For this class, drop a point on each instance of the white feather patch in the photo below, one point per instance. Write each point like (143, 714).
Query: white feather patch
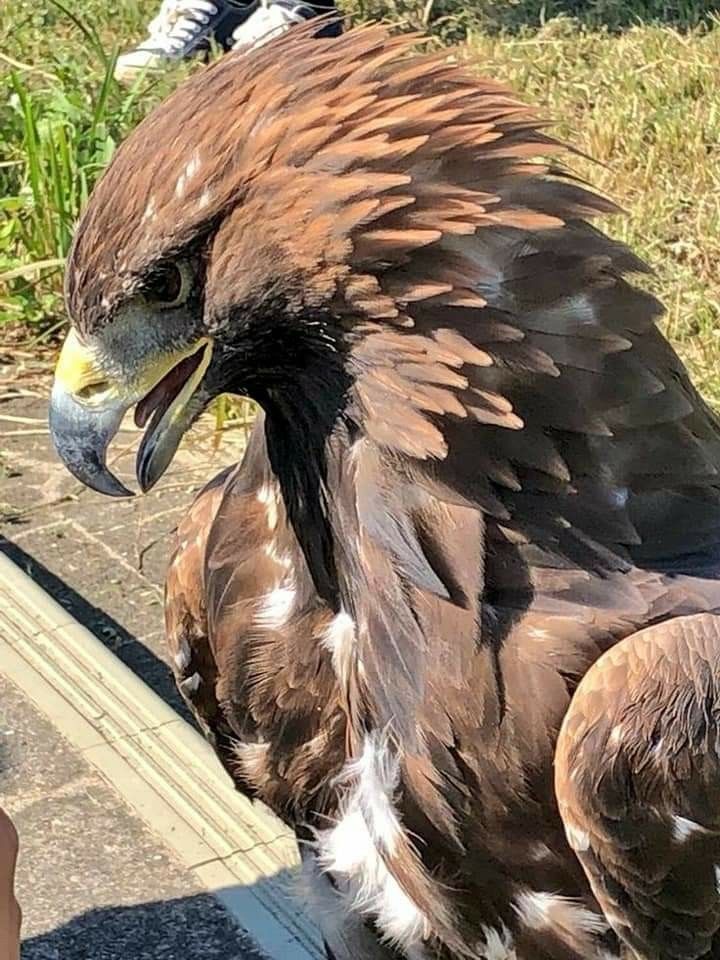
(191, 169)
(252, 757)
(616, 735)
(150, 208)
(498, 944)
(352, 850)
(570, 920)
(683, 829)
(339, 640)
(192, 684)
(182, 657)
(276, 606)
(578, 838)
(283, 560)
(268, 496)
(619, 496)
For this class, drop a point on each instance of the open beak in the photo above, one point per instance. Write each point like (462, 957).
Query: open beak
(87, 405)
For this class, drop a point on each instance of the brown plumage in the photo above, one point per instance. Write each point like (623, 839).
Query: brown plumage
(482, 477)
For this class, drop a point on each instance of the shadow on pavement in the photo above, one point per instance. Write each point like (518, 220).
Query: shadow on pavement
(187, 928)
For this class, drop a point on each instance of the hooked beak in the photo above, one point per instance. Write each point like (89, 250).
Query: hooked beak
(87, 405)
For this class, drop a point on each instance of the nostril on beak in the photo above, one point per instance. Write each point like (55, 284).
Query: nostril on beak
(93, 391)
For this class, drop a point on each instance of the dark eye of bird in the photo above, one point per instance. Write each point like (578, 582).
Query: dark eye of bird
(166, 286)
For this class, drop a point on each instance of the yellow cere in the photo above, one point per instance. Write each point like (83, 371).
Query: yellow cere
(77, 367)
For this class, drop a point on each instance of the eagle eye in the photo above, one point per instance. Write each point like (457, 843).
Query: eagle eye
(168, 286)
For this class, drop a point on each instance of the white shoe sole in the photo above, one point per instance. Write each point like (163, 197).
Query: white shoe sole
(126, 71)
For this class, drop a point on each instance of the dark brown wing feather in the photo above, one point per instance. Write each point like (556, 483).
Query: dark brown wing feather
(637, 775)
(582, 442)
(587, 478)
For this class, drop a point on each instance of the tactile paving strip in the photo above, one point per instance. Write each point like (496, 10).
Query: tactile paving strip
(157, 762)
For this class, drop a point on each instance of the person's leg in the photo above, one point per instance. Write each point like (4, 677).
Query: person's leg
(186, 28)
(182, 29)
(9, 909)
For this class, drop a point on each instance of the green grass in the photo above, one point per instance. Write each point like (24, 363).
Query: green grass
(634, 83)
(61, 117)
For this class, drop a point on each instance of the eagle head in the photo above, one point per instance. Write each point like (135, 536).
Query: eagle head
(282, 224)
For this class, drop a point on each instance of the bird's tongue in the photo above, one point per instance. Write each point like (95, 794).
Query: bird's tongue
(164, 392)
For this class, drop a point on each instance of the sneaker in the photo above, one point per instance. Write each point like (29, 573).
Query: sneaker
(273, 17)
(184, 28)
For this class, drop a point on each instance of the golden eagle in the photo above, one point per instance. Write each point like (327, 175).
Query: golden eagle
(453, 616)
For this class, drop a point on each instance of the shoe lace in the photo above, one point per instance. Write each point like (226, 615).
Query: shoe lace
(179, 21)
